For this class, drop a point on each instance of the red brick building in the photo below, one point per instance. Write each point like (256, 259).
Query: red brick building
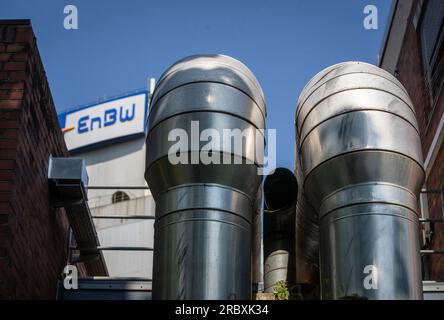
(414, 52)
(33, 236)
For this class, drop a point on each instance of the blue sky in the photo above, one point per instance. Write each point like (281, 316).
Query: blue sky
(119, 44)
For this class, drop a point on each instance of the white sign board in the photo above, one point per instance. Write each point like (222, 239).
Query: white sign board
(106, 122)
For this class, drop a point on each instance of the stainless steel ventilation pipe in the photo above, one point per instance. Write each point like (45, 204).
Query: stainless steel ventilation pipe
(306, 234)
(361, 158)
(202, 241)
(307, 225)
(257, 277)
(280, 193)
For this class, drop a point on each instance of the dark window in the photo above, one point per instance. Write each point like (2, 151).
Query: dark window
(432, 34)
(119, 196)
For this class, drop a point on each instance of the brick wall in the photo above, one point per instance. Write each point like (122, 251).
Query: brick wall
(411, 75)
(435, 181)
(33, 236)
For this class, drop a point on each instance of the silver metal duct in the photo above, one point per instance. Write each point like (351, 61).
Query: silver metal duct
(202, 241)
(361, 158)
(307, 225)
(280, 193)
(306, 234)
(68, 184)
(256, 244)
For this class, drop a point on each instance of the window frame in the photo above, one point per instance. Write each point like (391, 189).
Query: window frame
(436, 63)
(119, 196)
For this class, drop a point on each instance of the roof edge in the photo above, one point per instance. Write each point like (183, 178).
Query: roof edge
(26, 22)
(387, 31)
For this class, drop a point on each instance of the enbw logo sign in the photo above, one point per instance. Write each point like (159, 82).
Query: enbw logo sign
(110, 117)
(112, 120)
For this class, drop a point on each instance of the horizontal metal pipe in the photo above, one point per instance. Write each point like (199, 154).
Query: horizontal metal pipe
(115, 278)
(432, 251)
(118, 187)
(119, 248)
(431, 220)
(129, 248)
(432, 191)
(122, 216)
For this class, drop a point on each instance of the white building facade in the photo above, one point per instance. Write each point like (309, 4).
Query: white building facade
(110, 136)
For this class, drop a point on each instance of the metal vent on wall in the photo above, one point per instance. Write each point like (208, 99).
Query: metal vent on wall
(68, 183)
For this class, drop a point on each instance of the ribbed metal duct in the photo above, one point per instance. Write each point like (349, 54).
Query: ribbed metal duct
(306, 234)
(256, 244)
(307, 225)
(280, 193)
(362, 162)
(202, 242)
